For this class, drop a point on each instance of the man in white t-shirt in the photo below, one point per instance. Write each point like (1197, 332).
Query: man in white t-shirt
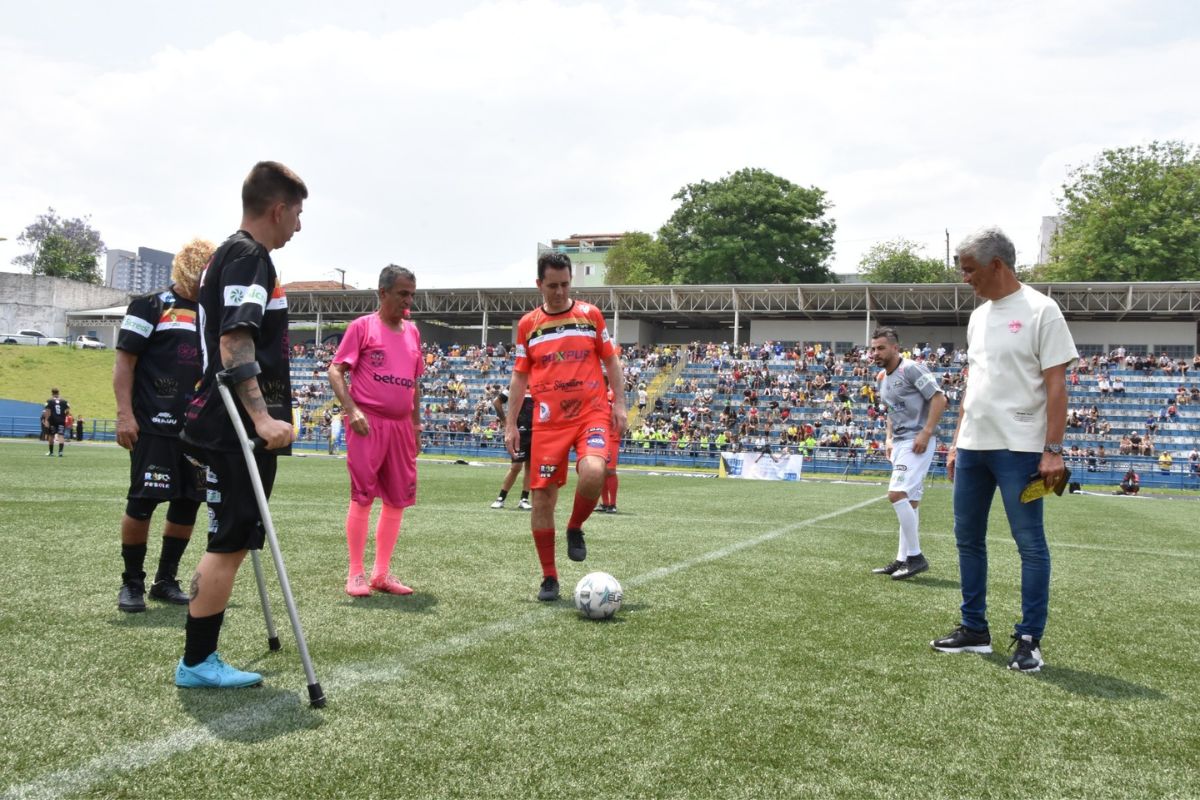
(1010, 431)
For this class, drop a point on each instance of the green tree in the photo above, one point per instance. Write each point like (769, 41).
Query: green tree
(1132, 214)
(62, 248)
(638, 258)
(750, 227)
(902, 261)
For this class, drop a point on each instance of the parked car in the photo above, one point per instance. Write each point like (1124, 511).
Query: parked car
(30, 336)
(87, 343)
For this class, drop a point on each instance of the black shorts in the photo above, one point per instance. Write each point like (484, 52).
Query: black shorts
(58, 429)
(234, 521)
(160, 470)
(523, 446)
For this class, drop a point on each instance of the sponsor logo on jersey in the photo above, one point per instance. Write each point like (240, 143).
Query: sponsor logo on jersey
(562, 356)
(547, 470)
(1014, 326)
(543, 412)
(573, 385)
(597, 430)
(899, 468)
(177, 319)
(519, 351)
(392, 379)
(604, 337)
(571, 408)
(137, 325)
(164, 418)
(236, 295)
(596, 440)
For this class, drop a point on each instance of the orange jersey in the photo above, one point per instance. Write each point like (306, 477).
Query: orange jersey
(562, 354)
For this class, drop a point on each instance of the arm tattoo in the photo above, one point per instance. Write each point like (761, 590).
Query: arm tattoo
(238, 349)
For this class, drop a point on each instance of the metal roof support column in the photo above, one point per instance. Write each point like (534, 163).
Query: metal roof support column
(484, 331)
(737, 318)
(867, 302)
(317, 341)
(616, 331)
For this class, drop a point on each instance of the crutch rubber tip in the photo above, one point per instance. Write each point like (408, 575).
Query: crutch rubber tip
(316, 697)
(274, 644)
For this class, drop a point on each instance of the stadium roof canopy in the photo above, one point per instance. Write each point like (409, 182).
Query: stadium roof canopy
(716, 306)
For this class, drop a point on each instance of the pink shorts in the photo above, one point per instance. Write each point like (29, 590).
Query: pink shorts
(383, 463)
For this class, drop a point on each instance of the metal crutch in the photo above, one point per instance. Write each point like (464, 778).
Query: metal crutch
(225, 380)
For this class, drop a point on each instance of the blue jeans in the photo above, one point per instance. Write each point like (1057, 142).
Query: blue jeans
(977, 474)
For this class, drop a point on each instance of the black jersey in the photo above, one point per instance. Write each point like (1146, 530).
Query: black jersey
(525, 415)
(240, 289)
(160, 329)
(58, 408)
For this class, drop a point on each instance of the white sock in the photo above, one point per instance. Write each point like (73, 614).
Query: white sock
(910, 543)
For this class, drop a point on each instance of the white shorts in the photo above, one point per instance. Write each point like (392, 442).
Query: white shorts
(909, 468)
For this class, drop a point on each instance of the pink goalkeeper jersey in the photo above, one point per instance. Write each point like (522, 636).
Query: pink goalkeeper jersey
(384, 365)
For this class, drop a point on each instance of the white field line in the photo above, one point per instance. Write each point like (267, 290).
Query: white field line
(135, 755)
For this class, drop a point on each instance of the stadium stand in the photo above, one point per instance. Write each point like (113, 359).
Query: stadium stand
(1124, 409)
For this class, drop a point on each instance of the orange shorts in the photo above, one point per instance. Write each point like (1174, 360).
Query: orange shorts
(614, 452)
(551, 450)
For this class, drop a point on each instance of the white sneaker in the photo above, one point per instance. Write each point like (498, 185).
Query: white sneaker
(525, 505)
(498, 504)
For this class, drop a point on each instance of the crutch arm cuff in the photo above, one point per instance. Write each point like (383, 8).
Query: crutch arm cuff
(239, 374)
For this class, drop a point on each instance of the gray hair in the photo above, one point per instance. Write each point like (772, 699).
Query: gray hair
(392, 273)
(986, 244)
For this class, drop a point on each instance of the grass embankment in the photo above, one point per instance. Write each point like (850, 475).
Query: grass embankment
(84, 377)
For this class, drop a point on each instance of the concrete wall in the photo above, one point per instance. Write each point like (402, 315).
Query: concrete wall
(36, 301)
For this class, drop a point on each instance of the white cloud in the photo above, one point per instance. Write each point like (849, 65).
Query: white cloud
(452, 142)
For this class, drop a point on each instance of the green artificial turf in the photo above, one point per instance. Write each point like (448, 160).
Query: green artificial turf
(756, 656)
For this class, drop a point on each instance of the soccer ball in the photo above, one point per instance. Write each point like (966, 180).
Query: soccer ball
(598, 595)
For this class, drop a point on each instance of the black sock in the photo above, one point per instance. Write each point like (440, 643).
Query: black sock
(503, 494)
(168, 559)
(51, 447)
(134, 556)
(525, 495)
(60, 447)
(201, 634)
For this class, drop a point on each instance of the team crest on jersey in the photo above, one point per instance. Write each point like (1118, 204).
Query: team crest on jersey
(376, 358)
(177, 319)
(543, 412)
(1014, 326)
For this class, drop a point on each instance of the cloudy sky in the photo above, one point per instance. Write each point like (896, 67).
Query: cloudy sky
(452, 137)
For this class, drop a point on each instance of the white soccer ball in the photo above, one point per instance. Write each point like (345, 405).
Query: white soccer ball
(598, 595)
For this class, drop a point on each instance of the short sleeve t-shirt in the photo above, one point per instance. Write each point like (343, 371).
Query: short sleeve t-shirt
(907, 392)
(58, 408)
(240, 289)
(1010, 342)
(562, 354)
(525, 415)
(160, 329)
(384, 365)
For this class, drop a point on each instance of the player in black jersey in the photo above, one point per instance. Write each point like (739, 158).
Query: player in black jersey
(244, 324)
(56, 410)
(155, 374)
(520, 459)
